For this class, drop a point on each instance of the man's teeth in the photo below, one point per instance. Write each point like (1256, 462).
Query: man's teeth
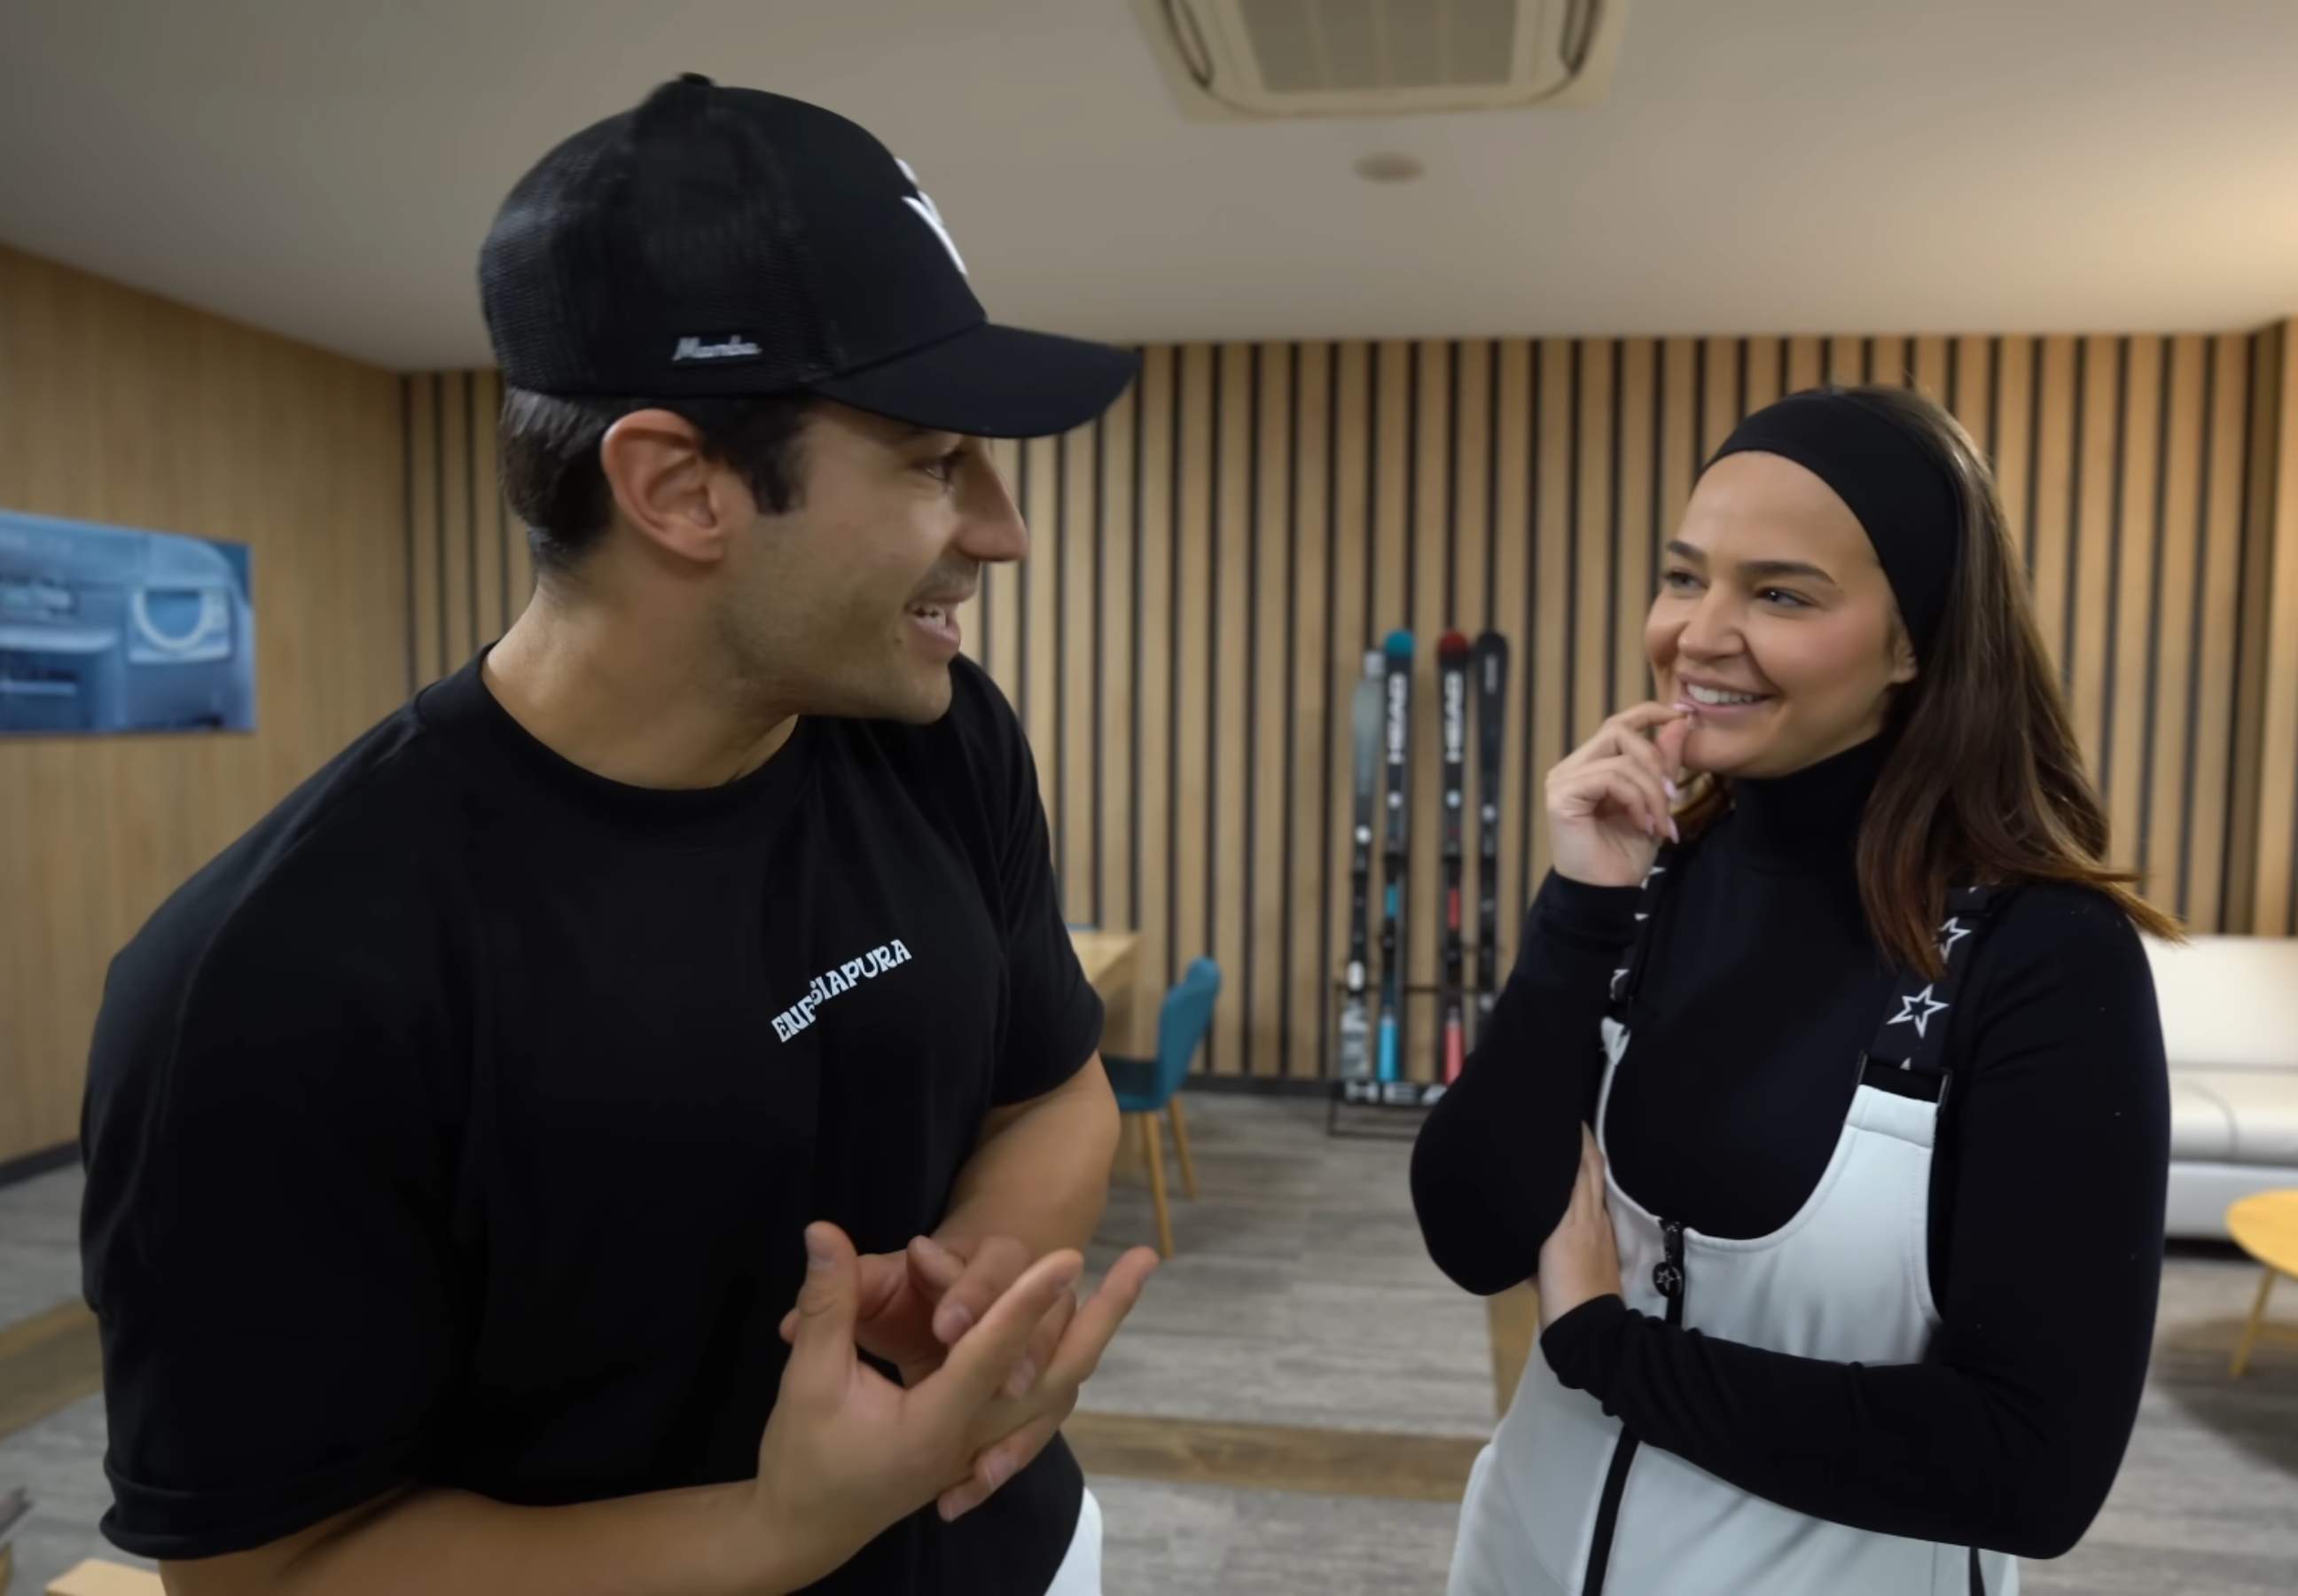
(931, 612)
(1709, 695)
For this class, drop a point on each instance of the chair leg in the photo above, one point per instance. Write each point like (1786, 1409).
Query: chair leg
(2250, 1331)
(1181, 1146)
(1155, 1153)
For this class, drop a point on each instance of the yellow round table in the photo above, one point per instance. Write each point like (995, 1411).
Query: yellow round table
(2266, 1226)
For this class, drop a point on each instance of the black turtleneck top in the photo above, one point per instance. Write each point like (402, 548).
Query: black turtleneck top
(1763, 985)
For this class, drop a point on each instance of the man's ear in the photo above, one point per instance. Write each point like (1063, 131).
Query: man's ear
(673, 495)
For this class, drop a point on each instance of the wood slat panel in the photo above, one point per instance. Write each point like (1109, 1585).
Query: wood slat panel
(2130, 617)
(1155, 777)
(2165, 758)
(1806, 363)
(1222, 847)
(1192, 718)
(1121, 670)
(2016, 431)
(1846, 359)
(1426, 543)
(1719, 393)
(1310, 654)
(1351, 627)
(1511, 581)
(2275, 913)
(2051, 535)
(1762, 360)
(2090, 552)
(2208, 800)
(1928, 366)
(1592, 543)
(457, 555)
(423, 574)
(1075, 661)
(1973, 396)
(1266, 666)
(1891, 361)
(1475, 479)
(1549, 625)
(1639, 464)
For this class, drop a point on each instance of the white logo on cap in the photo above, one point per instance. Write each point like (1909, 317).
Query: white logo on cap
(731, 349)
(924, 206)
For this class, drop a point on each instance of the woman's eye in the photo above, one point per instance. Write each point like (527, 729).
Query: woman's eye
(1679, 580)
(1779, 595)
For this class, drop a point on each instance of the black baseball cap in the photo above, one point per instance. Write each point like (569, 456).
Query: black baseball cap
(729, 242)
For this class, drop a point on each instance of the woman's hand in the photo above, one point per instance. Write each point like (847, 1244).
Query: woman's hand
(1580, 1261)
(1608, 799)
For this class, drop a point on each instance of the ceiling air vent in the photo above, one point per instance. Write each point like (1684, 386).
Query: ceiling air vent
(1243, 58)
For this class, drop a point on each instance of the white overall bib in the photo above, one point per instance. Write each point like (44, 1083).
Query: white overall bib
(1564, 1503)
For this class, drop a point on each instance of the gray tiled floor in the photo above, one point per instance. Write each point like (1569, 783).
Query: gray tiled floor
(39, 1244)
(1300, 1295)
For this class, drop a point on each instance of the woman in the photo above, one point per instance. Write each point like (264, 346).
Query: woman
(1852, 1288)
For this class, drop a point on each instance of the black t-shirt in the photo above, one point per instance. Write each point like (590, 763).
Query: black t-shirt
(460, 1123)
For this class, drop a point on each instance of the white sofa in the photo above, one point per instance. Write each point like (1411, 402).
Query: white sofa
(2230, 1030)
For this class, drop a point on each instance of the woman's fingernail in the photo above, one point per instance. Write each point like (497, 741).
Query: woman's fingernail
(1025, 1376)
(951, 1322)
(1670, 786)
(997, 1471)
(1673, 835)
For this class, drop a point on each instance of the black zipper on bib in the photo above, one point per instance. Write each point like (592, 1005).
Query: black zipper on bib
(1667, 1279)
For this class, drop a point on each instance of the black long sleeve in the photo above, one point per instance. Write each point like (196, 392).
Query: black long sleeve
(2010, 1433)
(1494, 1163)
(1762, 985)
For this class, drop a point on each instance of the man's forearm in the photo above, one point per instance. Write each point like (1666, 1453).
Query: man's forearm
(1040, 1172)
(706, 1542)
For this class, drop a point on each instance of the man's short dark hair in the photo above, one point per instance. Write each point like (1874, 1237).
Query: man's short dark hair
(554, 483)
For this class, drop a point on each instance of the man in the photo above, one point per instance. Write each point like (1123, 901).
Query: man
(453, 1139)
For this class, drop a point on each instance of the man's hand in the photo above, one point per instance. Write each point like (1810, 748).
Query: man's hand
(914, 1306)
(848, 1453)
(1580, 1261)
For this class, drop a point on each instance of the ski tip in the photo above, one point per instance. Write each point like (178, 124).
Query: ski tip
(1452, 645)
(1399, 645)
(1376, 662)
(1491, 642)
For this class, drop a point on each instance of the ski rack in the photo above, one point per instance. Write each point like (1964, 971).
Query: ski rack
(1391, 1110)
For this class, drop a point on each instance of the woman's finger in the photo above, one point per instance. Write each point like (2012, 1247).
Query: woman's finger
(1623, 780)
(1630, 725)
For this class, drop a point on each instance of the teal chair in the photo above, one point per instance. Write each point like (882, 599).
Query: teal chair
(1148, 1086)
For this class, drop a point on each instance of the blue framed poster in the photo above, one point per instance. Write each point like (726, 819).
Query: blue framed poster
(113, 629)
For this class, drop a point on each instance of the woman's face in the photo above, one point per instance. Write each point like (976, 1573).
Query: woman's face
(1772, 601)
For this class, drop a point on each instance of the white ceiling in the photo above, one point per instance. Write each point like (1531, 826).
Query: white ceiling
(326, 168)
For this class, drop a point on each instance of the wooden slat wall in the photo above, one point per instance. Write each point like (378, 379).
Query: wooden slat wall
(466, 562)
(1214, 556)
(118, 406)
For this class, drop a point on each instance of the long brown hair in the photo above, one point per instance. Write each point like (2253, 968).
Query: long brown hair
(1985, 782)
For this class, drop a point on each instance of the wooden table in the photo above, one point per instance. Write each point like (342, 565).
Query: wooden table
(1109, 958)
(2266, 1226)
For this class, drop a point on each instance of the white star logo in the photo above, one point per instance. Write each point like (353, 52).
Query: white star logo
(1617, 977)
(1641, 915)
(1655, 870)
(1955, 931)
(1907, 1016)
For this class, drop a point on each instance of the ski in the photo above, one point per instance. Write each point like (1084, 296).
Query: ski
(1452, 701)
(1356, 1030)
(1397, 855)
(1492, 669)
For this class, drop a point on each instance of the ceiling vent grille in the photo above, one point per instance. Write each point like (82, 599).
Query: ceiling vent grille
(1239, 59)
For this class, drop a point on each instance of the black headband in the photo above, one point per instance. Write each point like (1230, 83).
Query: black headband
(1899, 489)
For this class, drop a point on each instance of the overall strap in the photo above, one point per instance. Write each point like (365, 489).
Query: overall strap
(1906, 1056)
(1629, 977)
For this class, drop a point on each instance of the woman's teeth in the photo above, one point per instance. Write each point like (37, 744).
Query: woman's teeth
(1709, 695)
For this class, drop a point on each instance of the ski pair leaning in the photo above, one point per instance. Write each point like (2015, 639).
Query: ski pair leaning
(1380, 721)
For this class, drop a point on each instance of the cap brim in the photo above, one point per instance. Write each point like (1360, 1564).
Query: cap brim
(991, 382)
